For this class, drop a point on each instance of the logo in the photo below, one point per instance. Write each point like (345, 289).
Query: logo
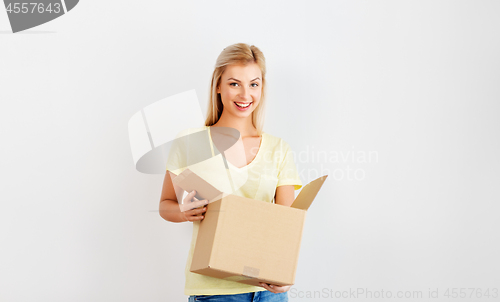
(28, 14)
(170, 134)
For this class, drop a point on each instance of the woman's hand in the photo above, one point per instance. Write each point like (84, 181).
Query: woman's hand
(275, 288)
(193, 209)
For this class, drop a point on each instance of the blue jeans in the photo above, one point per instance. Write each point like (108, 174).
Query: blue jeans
(261, 296)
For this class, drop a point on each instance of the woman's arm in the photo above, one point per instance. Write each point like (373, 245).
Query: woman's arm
(169, 207)
(285, 195)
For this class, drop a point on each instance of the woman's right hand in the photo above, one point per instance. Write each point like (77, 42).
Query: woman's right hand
(193, 209)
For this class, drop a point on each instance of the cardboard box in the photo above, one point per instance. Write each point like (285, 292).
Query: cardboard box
(246, 240)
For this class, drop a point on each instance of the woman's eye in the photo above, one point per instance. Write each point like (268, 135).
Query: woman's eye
(236, 84)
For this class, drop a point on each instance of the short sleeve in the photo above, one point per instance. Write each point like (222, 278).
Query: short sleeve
(190, 147)
(177, 155)
(288, 174)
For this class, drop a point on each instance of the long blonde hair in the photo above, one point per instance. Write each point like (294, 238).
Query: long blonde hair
(239, 53)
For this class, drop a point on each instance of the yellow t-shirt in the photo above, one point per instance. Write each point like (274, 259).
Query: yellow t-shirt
(273, 166)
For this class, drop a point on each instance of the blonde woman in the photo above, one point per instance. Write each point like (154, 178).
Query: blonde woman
(237, 98)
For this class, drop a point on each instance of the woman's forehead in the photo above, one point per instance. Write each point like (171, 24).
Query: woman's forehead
(243, 72)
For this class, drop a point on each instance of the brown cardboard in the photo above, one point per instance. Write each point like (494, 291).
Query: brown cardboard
(308, 193)
(245, 240)
(189, 181)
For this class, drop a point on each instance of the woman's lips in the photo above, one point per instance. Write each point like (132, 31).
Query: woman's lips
(242, 106)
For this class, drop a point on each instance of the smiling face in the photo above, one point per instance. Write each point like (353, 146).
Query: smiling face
(240, 89)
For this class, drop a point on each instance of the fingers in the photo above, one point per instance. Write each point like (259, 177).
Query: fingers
(274, 288)
(196, 213)
(269, 287)
(191, 202)
(189, 197)
(185, 207)
(195, 217)
(192, 208)
(198, 203)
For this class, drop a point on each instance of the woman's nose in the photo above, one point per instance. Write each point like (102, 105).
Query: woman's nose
(244, 93)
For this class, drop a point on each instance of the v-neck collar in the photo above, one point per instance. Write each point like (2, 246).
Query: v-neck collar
(228, 162)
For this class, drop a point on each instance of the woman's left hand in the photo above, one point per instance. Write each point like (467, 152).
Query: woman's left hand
(275, 288)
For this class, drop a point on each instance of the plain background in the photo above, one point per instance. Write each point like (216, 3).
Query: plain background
(413, 83)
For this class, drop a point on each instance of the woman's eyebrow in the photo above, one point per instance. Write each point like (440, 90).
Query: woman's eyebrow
(257, 78)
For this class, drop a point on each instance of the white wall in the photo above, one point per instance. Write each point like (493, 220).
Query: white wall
(413, 84)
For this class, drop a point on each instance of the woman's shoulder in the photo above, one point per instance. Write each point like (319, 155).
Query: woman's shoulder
(188, 131)
(274, 141)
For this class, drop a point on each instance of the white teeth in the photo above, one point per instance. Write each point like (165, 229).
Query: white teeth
(242, 105)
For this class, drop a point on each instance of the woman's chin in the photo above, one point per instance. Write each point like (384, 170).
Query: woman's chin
(242, 114)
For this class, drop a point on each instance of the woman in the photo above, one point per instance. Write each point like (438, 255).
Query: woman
(236, 101)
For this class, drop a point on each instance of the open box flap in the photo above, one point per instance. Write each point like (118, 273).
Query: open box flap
(189, 181)
(308, 193)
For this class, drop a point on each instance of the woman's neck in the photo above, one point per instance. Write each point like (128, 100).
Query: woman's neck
(243, 125)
